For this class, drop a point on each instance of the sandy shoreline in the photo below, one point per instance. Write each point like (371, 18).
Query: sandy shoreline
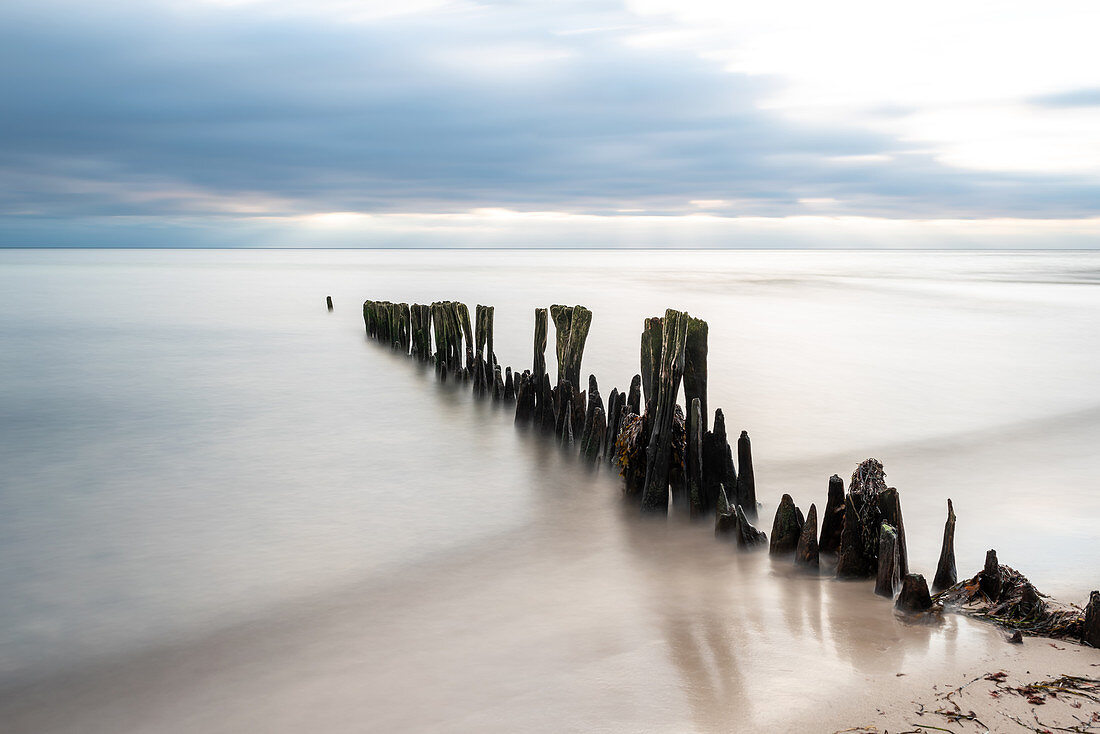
(537, 631)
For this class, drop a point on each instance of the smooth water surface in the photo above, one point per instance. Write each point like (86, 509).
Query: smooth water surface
(223, 508)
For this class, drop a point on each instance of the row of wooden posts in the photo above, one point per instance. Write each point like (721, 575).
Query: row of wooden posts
(660, 452)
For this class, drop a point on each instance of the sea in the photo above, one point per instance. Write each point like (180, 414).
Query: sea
(224, 508)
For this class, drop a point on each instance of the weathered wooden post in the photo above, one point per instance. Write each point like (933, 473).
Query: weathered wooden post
(538, 369)
(833, 519)
(889, 504)
(746, 479)
(889, 574)
(718, 468)
(946, 575)
(651, 357)
(695, 367)
(1090, 630)
(697, 499)
(328, 300)
(509, 385)
(562, 316)
(614, 415)
(990, 580)
(594, 401)
(786, 527)
(659, 452)
(634, 397)
(806, 553)
(914, 595)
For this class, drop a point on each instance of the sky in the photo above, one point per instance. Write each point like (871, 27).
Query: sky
(643, 123)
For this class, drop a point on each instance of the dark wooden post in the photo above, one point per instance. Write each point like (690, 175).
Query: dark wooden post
(746, 479)
(538, 369)
(651, 357)
(659, 451)
(946, 575)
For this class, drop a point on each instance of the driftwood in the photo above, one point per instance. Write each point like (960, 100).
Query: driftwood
(1018, 605)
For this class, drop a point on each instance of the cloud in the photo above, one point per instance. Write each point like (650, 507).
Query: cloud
(1074, 98)
(227, 113)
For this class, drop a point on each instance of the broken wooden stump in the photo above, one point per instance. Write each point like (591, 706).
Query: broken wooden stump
(725, 517)
(630, 452)
(1091, 630)
(593, 400)
(914, 597)
(746, 480)
(615, 404)
(659, 452)
(858, 555)
(833, 520)
(786, 527)
(888, 578)
(989, 579)
(634, 397)
(946, 574)
(806, 552)
(328, 301)
(889, 504)
(509, 385)
(717, 467)
(592, 448)
(748, 537)
(525, 399)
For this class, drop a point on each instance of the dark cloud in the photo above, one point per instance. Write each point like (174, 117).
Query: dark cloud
(166, 110)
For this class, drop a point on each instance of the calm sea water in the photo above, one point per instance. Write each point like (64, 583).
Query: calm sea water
(213, 487)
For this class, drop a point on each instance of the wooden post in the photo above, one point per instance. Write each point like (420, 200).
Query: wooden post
(888, 578)
(806, 552)
(328, 300)
(946, 575)
(659, 452)
(651, 357)
(695, 367)
(833, 520)
(538, 369)
(634, 397)
(746, 480)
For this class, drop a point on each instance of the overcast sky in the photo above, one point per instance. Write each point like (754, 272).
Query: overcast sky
(641, 123)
